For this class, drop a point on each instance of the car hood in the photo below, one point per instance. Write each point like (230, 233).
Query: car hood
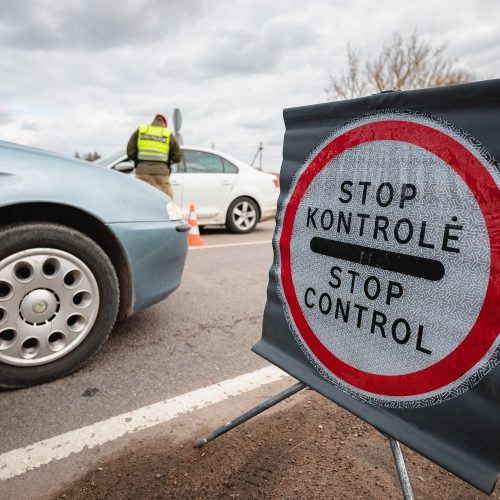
(33, 175)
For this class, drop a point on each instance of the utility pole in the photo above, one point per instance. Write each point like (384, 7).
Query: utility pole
(258, 154)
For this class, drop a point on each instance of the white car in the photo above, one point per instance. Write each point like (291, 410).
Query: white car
(223, 189)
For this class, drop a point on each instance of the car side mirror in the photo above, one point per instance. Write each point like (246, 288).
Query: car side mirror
(124, 166)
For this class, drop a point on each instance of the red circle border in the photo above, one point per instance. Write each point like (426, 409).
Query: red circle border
(482, 335)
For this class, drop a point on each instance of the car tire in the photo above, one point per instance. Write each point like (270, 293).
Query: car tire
(242, 215)
(59, 298)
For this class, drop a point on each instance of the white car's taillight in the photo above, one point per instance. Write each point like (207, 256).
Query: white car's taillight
(173, 211)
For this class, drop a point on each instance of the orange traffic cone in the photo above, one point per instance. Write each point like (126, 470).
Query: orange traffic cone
(194, 238)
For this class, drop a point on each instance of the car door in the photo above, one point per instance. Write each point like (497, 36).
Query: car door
(206, 184)
(176, 181)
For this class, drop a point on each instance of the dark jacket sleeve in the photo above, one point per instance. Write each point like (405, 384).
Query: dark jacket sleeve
(175, 154)
(132, 146)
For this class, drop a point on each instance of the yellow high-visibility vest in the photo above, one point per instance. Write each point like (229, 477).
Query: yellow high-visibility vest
(153, 143)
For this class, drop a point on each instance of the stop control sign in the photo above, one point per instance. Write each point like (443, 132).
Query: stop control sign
(388, 260)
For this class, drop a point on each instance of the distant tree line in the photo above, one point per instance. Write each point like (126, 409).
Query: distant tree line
(88, 156)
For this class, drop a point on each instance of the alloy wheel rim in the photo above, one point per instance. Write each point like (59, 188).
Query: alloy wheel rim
(49, 301)
(244, 215)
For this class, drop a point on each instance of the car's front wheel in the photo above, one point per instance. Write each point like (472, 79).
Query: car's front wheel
(58, 302)
(242, 215)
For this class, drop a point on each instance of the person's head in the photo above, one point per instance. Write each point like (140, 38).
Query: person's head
(160, 120)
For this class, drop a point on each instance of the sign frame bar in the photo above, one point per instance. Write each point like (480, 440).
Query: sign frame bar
(397, 454)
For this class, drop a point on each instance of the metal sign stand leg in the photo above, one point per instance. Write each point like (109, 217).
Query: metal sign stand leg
(251, 413)
(395, 447)
(399, 460)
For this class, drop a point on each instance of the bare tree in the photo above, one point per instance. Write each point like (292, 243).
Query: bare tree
(402, 64)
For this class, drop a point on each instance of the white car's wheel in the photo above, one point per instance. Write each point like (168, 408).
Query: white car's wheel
(242, 215)
(58, 302)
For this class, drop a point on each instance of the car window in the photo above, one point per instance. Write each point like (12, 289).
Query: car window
(174, 168)
(200, 162)
(229, 168)
(111, 159)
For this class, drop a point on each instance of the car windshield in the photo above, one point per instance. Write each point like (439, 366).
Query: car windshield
(109, 159)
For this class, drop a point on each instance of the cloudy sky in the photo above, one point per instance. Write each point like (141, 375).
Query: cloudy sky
(80, 75)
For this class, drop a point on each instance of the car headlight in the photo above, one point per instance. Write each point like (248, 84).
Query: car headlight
(173, 211)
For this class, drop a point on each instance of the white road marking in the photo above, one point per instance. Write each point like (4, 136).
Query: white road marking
(15, 462)
(225, 245)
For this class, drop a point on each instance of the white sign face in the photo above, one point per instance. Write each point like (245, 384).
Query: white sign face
(386, 248)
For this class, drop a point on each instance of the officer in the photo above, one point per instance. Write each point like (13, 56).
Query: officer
(153, 149)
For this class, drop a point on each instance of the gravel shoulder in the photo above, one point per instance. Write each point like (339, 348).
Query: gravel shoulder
(305, 447)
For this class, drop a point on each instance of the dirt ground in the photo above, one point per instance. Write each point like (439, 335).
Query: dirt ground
(307, 448)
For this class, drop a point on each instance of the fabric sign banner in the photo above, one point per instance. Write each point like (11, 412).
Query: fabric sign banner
(385, 287)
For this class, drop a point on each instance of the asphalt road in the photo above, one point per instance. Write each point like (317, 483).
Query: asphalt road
(200, 335)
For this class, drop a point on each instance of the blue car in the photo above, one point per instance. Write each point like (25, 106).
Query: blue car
(81, 246)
